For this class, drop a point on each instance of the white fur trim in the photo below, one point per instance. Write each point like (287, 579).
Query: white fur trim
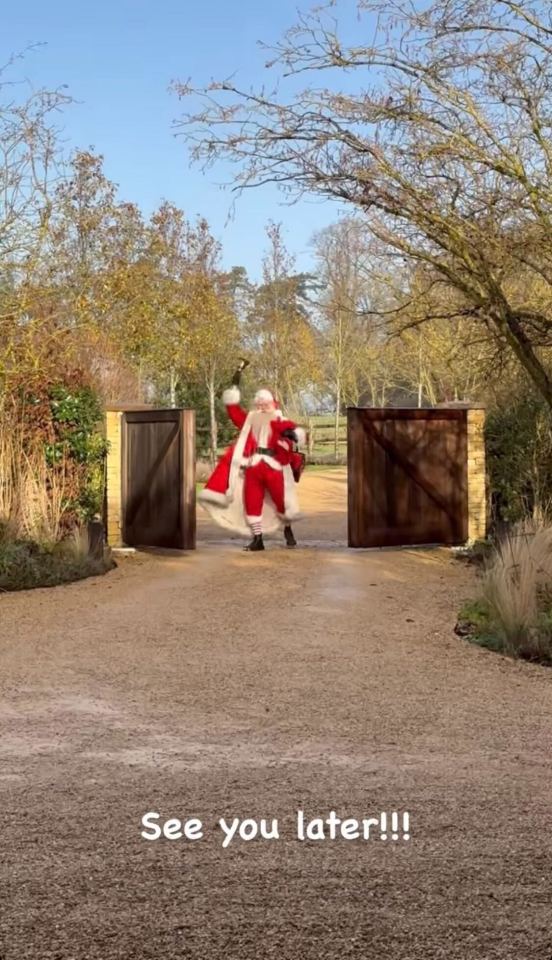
(253, 519)
(257, 457)
(237, 457)
(264, 395)
(301, 436)
(262, 439)
(231, 396)
(290, 496)
(212, 496)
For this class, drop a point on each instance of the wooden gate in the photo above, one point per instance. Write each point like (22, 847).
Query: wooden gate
(158, 478)
(407, 474)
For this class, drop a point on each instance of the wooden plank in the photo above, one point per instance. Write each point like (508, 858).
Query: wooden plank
(187, 481)
(127, 407)
(355, 526)
(163, 415)
(367, 493)
(411, 413)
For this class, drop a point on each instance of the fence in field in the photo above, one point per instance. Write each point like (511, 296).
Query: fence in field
(321, 447)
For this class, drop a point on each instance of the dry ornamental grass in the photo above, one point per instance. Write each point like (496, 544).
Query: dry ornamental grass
(514, 612)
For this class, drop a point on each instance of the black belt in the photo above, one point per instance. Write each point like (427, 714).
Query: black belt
(266, 451)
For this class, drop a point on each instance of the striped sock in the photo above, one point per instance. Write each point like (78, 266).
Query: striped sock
(256, 528)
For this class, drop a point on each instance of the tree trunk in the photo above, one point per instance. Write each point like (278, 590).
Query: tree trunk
(172, 388)
(213, 425)
(420, 373)
(336, 423)
(523, 349)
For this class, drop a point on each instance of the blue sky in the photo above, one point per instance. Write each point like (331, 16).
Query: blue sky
(118, 58)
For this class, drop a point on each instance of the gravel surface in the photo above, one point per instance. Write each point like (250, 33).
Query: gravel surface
(222, 684)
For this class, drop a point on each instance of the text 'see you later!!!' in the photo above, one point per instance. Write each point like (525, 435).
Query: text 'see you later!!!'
(393, 826)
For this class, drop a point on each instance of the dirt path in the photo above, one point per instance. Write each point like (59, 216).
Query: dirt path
(223, 684)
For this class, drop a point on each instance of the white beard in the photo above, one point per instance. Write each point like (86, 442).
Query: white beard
(260, 426)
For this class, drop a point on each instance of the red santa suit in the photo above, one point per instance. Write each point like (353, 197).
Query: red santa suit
(260, 462)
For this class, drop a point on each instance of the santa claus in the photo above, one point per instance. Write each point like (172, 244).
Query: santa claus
(253, 487)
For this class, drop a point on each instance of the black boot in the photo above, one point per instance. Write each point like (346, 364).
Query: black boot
(288, 534)
(256, 543)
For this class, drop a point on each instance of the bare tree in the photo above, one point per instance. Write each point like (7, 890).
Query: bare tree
(29, 171)
(444, 145)
(29, 153)
(341, 252)
(280, 332)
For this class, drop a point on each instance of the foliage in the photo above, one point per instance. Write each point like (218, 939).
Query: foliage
(52, 454)
(77, 417)
(475, 623)
(25, 564)
(64, 421)
(477, 553)
(519, 459)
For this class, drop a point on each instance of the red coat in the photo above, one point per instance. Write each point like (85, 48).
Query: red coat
(282, 446)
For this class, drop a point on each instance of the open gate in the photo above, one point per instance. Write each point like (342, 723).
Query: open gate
(158, 478)
(407, 476)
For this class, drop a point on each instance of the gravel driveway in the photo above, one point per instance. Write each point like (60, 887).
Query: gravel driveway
(222, 684)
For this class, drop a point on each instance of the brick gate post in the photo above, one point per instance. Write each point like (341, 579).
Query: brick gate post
(477, 496)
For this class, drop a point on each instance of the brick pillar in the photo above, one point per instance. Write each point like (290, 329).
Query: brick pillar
(114, 531)
(477, 497)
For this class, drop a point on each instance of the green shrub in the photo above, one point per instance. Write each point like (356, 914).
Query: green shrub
(25, 564)
(475, 622)
(477, 553)
(518, 439)
(77, 416)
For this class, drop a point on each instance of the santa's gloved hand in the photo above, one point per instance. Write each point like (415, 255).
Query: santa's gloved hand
(289, 434)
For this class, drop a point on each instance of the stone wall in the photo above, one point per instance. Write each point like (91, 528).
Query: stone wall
(114, 519)
(477, 496)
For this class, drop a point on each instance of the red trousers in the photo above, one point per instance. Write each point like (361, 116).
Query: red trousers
(260, 480)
